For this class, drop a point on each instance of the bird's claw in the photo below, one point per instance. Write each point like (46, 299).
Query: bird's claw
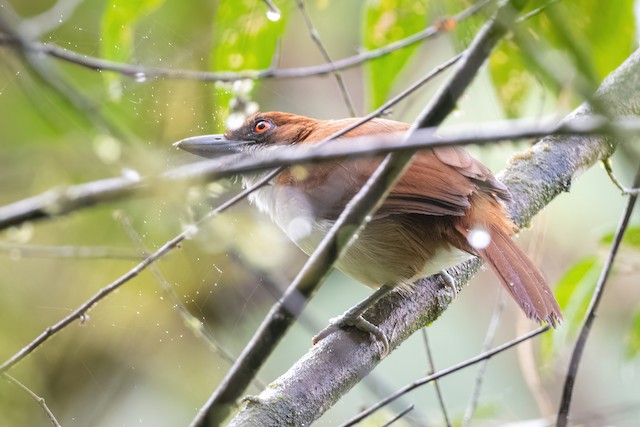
(358, 322)
(450, 283)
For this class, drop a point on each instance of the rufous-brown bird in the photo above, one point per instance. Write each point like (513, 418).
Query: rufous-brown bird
(446, 208)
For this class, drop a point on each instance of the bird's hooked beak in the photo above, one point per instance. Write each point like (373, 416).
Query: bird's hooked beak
(211, 146)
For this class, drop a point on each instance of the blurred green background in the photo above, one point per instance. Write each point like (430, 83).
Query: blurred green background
(134, 360)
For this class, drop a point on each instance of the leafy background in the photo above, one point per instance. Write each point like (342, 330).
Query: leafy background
(135, 360)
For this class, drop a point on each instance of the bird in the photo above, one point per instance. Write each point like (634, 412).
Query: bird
(446, 208)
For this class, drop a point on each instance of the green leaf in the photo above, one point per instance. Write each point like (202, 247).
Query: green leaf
(244, 38)
(465, 30)
(573, 292)
(598, 36)
(604, 31)
(510, 77)
(631, 237)
(386, 21)
(118, 30)
(633, 337)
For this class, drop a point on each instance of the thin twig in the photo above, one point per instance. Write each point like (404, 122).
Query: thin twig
(607, 167)
(409, 387)
(315, 36)
(576, 356)
(536, 11)
(436, 383)
(482, 368)
(92, 252)
(131, 70)
(272, 7)
(190, 321)
(38, 399)
(61, 201)
(399, 416)
(80, 312)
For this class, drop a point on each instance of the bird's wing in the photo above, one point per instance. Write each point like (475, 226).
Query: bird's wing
(439, 182)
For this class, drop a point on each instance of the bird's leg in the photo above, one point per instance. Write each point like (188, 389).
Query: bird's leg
(450, 283)
(353, 317)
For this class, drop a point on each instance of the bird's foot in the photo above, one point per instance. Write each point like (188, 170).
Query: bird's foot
(359, 322)
(450, 283)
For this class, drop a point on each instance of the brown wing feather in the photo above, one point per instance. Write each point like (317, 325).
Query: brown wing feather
(438, 182)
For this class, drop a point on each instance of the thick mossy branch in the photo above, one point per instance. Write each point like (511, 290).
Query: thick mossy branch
(535, 177)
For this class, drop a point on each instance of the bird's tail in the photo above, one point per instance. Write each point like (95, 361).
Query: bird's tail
(520, 277)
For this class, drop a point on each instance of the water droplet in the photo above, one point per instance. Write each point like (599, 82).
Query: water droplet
(131, 174)
(273, 15)
(21, 233)
(299, 228)
(107, 148)
(140, 77)
(251, 108)
(242, 87)
(479, 238)
(190, 231)
(234, 121)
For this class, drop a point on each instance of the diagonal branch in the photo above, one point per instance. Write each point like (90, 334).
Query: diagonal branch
(315, 36)
(482, 357)
(62, 201)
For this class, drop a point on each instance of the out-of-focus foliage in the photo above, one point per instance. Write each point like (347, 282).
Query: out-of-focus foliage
(596, 36)
(118, 31)
(631, 237)
(245, 37)
(465, 30)
(573, 292)
(135, 359)
(633, 337)
(386, 21)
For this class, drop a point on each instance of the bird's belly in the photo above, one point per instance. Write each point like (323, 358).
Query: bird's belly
(385, 252)
(391, 258)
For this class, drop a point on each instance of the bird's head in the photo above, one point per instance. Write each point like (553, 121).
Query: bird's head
(259, 131)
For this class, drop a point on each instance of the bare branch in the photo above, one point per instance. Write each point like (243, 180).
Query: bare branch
(190, 321)
(486, 345)
(436, 384)
(39, 400)
(479, 358)
(61, 201)
(15, 250)
(132, 71)
(399, 416)
(616, 181)
(80, 312)
(578, 350)
(315, 36)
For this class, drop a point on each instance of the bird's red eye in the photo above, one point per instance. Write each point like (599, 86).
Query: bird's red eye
(262, 126)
